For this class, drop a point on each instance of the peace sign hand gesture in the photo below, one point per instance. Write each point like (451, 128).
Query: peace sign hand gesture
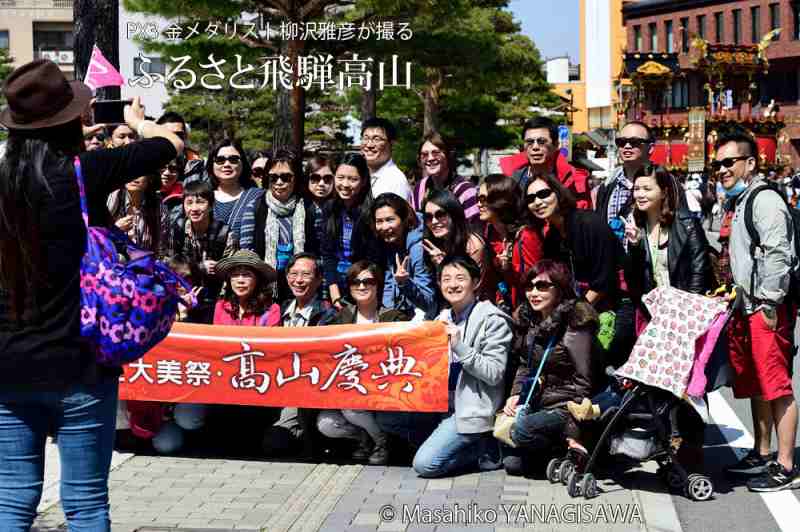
(401, 273)
(437, 255)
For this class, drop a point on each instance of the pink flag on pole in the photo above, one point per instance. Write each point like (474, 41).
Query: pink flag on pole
(101, 73)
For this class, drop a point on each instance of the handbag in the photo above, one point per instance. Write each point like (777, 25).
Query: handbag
(127, 306)
(503, 423)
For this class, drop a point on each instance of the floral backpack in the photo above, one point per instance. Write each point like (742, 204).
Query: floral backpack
(128, 304)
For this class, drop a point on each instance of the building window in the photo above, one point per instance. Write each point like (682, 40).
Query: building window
(685, 35)
(668, 30)
(780, 86)
(4, 39)
(774, 16)
(719, 26)
(653, 37)
(796, 20)
(637, 38)
(680, 94)
(737, 26)
(701, 26)
(51, 37)
(755, 23)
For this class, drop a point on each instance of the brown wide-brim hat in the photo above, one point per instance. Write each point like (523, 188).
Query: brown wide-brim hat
(39, 96)
(245, 257)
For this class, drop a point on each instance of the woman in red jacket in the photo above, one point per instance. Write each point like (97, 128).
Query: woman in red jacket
(513, 247)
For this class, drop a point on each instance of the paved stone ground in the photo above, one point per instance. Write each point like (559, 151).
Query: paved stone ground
(151, 494)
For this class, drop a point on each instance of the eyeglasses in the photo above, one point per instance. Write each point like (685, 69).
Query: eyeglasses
(541, 286)
(316, 178)
(541, 141)
(305, 276)
(221, 159)
(482, 198)
(440, 216)
(727, 162)
(635, 142)
(369, 282)
(285, 178)
(541, 194)
(373, 140)
(435, 154)
(259, 172)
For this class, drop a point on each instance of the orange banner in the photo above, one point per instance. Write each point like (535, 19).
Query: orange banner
(386, 366)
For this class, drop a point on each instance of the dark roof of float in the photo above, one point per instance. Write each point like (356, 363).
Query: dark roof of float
(654, 7)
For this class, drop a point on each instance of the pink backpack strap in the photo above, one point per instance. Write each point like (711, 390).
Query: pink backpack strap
(82, 189)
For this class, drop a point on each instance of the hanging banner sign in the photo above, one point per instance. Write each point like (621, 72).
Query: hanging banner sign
(387, 366)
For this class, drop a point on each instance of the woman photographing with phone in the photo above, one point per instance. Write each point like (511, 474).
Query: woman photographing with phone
(51, 382)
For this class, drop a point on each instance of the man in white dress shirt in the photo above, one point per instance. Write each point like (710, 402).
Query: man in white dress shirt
(377, 138)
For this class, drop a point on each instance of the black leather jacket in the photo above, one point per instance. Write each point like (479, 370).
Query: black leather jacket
(687, 257)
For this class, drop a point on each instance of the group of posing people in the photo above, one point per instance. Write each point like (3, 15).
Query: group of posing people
(519, 267)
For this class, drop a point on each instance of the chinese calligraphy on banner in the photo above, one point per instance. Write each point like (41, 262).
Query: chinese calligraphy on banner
(391, 366)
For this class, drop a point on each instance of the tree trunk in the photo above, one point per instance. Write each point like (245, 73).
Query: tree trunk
(369, 99)
(284, 135)
(296, 48)
(96, 22)
(431, 101)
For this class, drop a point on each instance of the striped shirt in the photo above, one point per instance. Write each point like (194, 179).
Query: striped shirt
(462, 189)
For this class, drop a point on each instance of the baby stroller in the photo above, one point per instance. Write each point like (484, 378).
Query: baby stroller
(651, 423)
(646, 426)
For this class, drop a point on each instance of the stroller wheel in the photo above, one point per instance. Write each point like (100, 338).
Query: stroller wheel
(589, 486)
(699, 487)
(554, 470)
(573, 485)
(566, 469)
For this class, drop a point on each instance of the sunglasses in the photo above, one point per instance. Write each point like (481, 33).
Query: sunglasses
(541, 141)
(727, 162)
(542, 195)
(440, 216)
(316, 178)
(541, 286)
(482, 198)
(635, 142)
(364, 282)
(99, 136)
(221, 159)
(171, 168)
(284, 178)
(259, 172)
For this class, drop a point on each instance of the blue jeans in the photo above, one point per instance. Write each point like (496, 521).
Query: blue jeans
(82, 418)
(540, 430)
(446, 451)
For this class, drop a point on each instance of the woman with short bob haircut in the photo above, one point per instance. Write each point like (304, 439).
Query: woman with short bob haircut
(235, 191)
(409, 285)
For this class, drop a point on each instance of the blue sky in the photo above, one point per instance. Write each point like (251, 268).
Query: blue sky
(552, 24)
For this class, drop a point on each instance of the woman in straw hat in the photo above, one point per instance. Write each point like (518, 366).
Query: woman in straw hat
(247, 297)
(49, 380)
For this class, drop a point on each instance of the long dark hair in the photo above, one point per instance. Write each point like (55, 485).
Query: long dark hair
(257, 302)
(503, 197)
(151, 209)
(245, 179)
(667, 185)
(28, 157)
(364, 199)
(455, 243)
